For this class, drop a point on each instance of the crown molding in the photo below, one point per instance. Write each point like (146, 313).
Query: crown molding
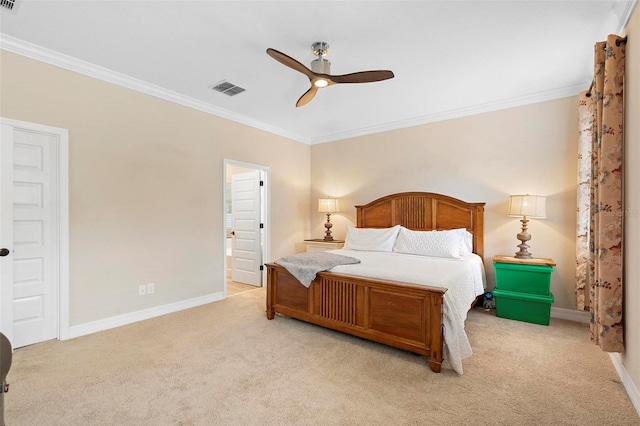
(33, 51)
(517, 101)
(51, 57)
(616, 23)
(619, 17)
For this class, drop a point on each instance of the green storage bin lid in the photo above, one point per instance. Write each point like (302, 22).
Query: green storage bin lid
(522, 267)
(524, 296)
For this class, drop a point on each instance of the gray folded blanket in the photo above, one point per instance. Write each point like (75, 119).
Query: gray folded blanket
(305, 266)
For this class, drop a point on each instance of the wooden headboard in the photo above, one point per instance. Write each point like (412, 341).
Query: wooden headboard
(424, 211)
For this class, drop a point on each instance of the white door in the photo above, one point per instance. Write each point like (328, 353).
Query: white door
(6, 231)
(246, 255)
(30, 272)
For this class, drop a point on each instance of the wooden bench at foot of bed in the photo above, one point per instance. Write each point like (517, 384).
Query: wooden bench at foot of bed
(405, 316)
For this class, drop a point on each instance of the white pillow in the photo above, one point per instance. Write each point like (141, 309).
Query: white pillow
(430, 243)
(371, 239)
(466, 239)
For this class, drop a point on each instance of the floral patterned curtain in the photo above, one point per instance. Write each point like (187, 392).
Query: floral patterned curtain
(600, 204)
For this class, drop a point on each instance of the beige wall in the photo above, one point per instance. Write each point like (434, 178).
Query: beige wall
(146, 187)
(631, 358)
(480, 158)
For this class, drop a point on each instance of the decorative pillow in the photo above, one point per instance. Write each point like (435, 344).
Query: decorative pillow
(430, 243)
(371, 239)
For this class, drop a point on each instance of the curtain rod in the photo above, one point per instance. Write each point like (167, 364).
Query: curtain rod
(621, 40)
(618, 41)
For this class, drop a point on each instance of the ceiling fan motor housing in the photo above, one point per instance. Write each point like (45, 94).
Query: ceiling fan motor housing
(321, 66)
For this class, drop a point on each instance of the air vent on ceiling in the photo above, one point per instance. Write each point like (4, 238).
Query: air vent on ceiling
(8, 4)
(227, 88)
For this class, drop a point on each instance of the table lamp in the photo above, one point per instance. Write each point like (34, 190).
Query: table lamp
(328, 206)
(526, 206)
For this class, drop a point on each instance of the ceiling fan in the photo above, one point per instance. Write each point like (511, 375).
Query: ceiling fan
(319, 74)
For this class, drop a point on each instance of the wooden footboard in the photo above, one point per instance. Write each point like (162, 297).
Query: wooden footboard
(405, 316)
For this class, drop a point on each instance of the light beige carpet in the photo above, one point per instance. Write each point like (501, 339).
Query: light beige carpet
(226, 364)
(234, 288)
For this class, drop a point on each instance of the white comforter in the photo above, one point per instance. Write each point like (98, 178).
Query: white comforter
(464, 279)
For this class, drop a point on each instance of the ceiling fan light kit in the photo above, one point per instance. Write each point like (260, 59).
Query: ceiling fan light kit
(320, 73)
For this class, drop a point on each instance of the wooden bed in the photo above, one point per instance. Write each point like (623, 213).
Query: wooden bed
(402, 315)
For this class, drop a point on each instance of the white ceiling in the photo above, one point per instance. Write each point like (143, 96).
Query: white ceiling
(450, 58)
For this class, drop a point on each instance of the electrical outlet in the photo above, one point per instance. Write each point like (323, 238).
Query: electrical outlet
(142, 290)
(151, 288)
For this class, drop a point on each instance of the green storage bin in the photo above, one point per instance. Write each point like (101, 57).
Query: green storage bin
(533, 308)
(533, 279)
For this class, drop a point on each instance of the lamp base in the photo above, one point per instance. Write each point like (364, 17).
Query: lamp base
(328, 225)
(523, 253)
(523, 236)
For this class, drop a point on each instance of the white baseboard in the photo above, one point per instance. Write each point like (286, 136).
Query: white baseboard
(616, 360)
(570, 315)
(628, 384)
(120, 320)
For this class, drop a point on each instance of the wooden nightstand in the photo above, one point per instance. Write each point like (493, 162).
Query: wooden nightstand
(522, 288)
(322, 245)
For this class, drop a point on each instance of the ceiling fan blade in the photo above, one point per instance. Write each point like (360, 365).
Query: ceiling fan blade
(307, 96)
(362, 77)
(290, 62)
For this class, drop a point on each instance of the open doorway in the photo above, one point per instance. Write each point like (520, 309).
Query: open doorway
(246, 225)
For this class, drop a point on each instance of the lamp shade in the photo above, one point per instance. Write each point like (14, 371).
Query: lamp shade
(327, 205)
(534, 206)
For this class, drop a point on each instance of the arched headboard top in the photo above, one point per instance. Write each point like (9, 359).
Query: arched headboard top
(424, 211)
